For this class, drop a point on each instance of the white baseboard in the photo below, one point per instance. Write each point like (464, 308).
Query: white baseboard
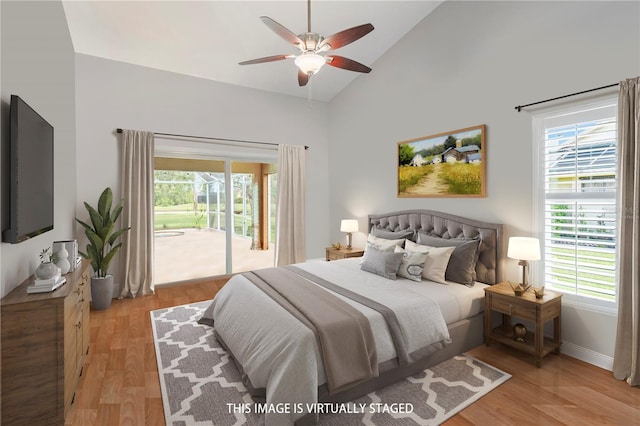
(587, 355)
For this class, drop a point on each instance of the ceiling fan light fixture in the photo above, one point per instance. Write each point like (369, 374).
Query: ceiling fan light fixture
(310, 63)
(313, 47)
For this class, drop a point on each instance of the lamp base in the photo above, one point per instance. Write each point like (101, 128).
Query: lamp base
(349, 241)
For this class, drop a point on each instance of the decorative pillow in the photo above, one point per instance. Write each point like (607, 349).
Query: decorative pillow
(384, 242)
(392, 235)
(381, 262)
(381, 244)
(436, 263)
(412, 264)
(462, 265)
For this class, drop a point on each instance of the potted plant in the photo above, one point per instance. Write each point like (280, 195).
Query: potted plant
(102, 246)
(47, 268)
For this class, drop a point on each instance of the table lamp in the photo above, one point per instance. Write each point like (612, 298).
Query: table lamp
(349, 226)
(524, 249)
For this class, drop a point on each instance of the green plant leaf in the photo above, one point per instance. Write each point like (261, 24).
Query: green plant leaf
(117, 211)
(109, 257)
(106, 231)
(115, 235)
(93, 262)
(96, 218)
(84, 225)
(104, 203)
(92, 255)
(95, 240)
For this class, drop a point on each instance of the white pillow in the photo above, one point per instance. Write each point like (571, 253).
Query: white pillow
(383, 243)
(412, 264)
(436, 263)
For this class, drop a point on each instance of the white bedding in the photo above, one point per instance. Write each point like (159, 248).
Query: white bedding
(456, 301)
(290, 367)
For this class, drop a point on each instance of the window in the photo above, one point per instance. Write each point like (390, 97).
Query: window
(209, 218)
(575, 199)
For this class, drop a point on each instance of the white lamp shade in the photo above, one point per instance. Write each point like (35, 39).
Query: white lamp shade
(310, 63)
(524, 248)
(349, 225)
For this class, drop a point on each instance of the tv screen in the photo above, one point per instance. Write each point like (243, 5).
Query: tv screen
(31, 173)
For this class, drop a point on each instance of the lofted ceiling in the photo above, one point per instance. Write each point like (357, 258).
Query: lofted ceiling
(207, 39)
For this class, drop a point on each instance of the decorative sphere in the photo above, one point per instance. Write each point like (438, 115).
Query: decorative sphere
(519, 331)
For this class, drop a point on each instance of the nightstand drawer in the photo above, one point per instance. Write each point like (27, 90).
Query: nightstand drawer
(342, 253)
(506, 306)
(332, 255)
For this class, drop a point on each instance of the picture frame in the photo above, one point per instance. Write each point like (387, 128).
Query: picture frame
(447, 164)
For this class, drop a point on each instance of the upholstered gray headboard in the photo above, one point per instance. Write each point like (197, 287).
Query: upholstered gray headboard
(489, 268)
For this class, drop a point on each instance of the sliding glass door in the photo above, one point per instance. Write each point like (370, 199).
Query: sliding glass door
(211, 218)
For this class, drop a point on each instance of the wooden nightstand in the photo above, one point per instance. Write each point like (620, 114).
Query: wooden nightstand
(343, 253)
(500, 298)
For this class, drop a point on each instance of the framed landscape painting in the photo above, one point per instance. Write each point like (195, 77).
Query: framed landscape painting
(449, 164)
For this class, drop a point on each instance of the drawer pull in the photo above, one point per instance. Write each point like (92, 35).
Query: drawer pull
(79, 325)
(77, 291)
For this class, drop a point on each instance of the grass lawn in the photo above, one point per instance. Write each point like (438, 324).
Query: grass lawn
(175, 221)
(599, 266)
(179, 220)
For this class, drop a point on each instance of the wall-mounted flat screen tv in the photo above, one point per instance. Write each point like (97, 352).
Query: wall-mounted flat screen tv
(31, 173)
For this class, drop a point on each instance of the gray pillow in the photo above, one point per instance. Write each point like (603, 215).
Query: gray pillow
(382, 262)
(392, 235)
(462, 264)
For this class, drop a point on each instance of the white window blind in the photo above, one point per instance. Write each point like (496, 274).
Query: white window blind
(577, 200)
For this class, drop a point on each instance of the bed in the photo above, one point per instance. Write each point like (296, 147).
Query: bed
(281, 355)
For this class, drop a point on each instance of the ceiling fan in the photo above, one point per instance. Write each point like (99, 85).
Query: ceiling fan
(313, 48)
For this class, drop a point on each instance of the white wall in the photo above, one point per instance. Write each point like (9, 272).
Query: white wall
(38, 66)
(470, 63)
(114, 95)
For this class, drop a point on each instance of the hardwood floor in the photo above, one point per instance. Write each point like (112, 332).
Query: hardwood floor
(120, 385)
(565, 391)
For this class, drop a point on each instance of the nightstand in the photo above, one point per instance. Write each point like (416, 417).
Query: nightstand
(500, 298)
(343, 253)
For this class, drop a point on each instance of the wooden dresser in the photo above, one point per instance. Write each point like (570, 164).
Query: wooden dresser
(45, 338)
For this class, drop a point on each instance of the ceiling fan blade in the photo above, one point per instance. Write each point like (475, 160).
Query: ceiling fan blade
(282, 31)
(347, 64)
(345, 37)
(266, 59)
(303, 78)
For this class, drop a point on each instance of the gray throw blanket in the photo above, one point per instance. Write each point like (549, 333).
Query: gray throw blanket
(344, 335)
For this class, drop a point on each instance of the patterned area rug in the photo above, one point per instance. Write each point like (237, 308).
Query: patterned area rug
(200, 383)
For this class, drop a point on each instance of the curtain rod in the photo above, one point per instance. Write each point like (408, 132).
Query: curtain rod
(213, 139)
(519, 107)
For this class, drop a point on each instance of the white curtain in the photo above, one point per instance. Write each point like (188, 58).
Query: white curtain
(137, 188)
(626, 360)
(290, 205)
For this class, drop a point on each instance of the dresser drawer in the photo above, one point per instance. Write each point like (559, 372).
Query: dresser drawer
(507, 306)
